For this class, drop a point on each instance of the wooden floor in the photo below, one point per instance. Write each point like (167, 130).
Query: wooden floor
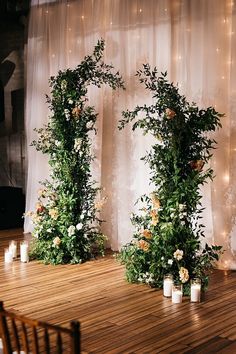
(117, 317)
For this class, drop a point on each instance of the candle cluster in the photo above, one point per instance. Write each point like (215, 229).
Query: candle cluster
(10, 253)
(175, 291)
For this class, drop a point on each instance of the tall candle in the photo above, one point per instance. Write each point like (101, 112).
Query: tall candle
(13, 248)
(195, 294)
(24, 252)
(8, 256)
(167, 285)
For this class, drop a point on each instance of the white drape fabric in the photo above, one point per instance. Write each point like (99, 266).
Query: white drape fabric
(194, 40)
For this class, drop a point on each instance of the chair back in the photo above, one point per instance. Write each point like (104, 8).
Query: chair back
(24, 335)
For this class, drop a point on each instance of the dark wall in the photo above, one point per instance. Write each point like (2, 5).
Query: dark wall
(13, 37)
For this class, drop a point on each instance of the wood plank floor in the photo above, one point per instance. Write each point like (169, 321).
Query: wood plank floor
(117, 317)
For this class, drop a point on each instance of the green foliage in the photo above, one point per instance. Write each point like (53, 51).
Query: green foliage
(168, 227)
(66, 219)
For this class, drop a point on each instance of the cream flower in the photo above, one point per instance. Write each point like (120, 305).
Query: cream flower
(71, 230)
(56, 241)
(79, 226)
(178, 254)
(77, 144)
(53, 213)
(183, 275)
(170, 261)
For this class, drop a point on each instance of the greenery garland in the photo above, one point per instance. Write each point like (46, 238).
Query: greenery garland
(168, 228)
(66, 219)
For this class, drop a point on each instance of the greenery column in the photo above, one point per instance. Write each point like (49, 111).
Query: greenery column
(168, 227)
(66, 219)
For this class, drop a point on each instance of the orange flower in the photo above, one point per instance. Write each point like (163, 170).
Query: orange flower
(39, 208)
(155, 201)
(197, 165)
(143, 245)
(155, 218)
(76, 112)
(170, 113)
(146, 233)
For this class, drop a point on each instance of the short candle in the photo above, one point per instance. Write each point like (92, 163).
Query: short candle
(195, 295)
(8, 256)
(177, 294)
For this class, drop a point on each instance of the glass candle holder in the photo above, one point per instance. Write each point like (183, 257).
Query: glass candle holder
(177, 293)
(8, 255)
(195, 293)
(13, 248)
(167, 285)
(24, 251)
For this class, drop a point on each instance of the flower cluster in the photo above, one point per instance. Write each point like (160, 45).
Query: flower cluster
(67, 227)
(168, 236)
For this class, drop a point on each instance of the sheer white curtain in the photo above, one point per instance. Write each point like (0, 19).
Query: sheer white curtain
(193, 40)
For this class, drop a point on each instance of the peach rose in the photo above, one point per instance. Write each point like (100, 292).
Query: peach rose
(170, 114)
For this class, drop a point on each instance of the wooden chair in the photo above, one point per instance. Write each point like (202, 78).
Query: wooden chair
(23, 335)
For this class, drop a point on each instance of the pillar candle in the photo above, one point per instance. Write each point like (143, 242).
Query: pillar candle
(195, 294)
(167, 285)
(8, 256)
(24, 252)
(177, 294)
(13, 248)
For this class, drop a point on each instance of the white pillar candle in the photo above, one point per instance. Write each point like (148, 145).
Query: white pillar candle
(167, 287)
(195, 292)
(177, 297)
(24, 252)
(13, 248)
(8, 256)
(177, 293)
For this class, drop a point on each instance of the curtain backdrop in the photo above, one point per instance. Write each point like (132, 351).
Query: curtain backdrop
(194, 40)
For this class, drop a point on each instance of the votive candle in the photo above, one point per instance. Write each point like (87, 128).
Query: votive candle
(177, 294)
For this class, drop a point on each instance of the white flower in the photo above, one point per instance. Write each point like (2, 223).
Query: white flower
(82, 216)
(71, 230)
(89, 125)
(49, 230)
(57, 143)
(77, 144)
(56, 241)
(170, 261)
(162, 258)
(67, 114)
(70, 101)
(79, 226)
(178, 254)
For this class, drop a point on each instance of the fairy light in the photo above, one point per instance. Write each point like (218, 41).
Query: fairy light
(223, 77)
(226, 177)
(82, 17)
(111, 23)
(217, 50)
(46, 11)
(70, 51)
(53, 55)
(140, 10)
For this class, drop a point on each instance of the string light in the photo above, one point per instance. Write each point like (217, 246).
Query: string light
(140, 10)
(53, 55)
(217, 50)
(46, 11)
(222, 77)
(226, 177)
(111, 23)
(82, 17)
